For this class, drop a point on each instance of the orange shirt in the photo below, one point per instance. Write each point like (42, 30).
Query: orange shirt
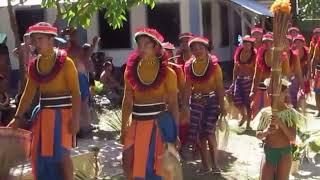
(66, 82)
(213, 84)
(154, 95)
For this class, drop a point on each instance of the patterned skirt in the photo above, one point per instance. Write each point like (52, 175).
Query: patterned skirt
(242, 91)
(293, 90)
(204, 114)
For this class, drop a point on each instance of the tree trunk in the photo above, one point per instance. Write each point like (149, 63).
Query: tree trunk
(294, 12)
(14, 27)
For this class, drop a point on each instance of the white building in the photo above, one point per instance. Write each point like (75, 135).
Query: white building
(220, 20)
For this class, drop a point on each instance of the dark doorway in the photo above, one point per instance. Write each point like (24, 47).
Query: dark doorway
(165, 17)
(28, 17)
(114, 38)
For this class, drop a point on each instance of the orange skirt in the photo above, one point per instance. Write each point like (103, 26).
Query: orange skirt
(138, 138)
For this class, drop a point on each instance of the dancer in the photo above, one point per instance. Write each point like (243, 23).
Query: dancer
(277, 133)
(150, 89)
(257, 33)
(305, 64)
(56, 120)
(184, 52)
(243, 71)
(258, 93)
(293, 31)
(295, 74)
(315, 70)
(314, 39)
(204, 85)
(169, 48)
(184, 114)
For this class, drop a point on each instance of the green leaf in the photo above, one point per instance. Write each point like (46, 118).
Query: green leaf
(80, 12)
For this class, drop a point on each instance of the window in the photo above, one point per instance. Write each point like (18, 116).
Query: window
(114, 38)
(26, 18)
(206, 20)
(165, 17)
(224, 21)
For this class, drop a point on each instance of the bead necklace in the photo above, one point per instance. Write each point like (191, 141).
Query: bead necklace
(205, 70)
(148, 63)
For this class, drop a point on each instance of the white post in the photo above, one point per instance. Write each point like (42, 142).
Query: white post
(184, 16)
(138, 18)
(243, 24)
(216, 23)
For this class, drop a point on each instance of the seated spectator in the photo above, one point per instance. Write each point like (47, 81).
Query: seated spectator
(5, 109)
(5, 68)
(111, 85)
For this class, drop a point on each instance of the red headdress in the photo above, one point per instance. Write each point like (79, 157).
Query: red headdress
(168, 46)
(199, 39)
(299, 37)
(293, 29)
(256, 29)
(316, 30)
(248, 38)
(152, 33)
(267, 37)
(43, 28)
(185, 35)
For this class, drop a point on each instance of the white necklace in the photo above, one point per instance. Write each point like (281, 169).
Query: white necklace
(205, 70)
(141, 80)
(38, 62)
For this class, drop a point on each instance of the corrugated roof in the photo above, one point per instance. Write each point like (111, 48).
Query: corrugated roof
(254, 6)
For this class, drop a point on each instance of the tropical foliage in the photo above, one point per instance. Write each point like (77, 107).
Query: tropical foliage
(80, 12)
(308, 9)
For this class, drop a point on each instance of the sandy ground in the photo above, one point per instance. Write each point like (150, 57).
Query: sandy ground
(240, 160)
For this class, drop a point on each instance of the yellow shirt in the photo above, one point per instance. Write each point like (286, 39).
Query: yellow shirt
(154, 95)
(214, 82)
(66, 82)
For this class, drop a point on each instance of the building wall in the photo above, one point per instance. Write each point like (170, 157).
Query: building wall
(190, 20)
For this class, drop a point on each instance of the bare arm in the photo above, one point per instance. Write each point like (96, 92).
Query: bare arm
(256, 78)
(298, 72)
(315, 59)
(127, 104)
(235, 73)
(220, 88)
(172, 95)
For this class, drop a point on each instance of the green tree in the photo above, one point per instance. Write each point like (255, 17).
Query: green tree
(308, 9)
(80, 12)
(75, 12)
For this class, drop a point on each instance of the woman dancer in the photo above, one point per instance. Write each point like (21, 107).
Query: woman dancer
(243, 71)
(150, 91)
(204, 85)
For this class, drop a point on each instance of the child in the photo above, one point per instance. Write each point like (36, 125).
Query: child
(278, 132)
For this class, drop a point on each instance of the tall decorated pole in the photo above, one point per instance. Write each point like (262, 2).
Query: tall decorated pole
(281, 10)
